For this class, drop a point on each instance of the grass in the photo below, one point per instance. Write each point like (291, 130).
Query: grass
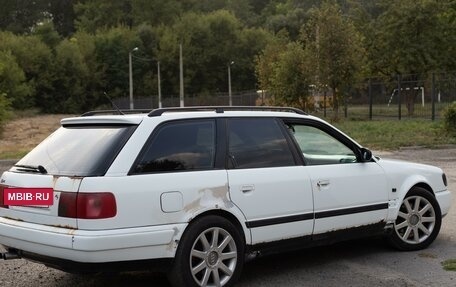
(449, 265)
(25, 131)
(385, 111)
(16, 154)
(393, 134)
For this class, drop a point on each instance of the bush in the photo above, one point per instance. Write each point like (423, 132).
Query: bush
(5, 109)
(450, 118)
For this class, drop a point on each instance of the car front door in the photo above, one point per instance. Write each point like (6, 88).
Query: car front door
(347, 192)
(266, 180)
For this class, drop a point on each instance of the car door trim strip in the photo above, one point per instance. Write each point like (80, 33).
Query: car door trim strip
(279, 220)
(351, 210)
(318, 215)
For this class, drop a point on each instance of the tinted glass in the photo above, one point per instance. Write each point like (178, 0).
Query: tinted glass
(178, 146)
(79, 151)
(255, 143)
(319, 147)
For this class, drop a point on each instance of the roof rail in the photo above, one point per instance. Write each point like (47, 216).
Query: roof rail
(222, 109)
(115, 112)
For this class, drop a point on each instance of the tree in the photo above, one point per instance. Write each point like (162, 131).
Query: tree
(337, 48)
(111, 48)
(285, 71)
(20, 16)
(289, 15)
(210, 42)
(5, 108)
(47, 33)
(35, 60)
(292, 77)
(95, 84)
(71, 73)
(252, 42)
(13, 86)
(155, 12)
(92, 15)
(242, 9)
(62, 15)
(412, 38)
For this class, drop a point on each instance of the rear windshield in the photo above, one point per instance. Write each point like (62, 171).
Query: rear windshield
(78, 150)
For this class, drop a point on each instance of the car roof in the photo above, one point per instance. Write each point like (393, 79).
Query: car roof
(136, 116)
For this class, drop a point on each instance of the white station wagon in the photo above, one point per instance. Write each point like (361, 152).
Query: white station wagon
(195, 191)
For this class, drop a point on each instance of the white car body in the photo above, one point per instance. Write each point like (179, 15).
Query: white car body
(154, 209)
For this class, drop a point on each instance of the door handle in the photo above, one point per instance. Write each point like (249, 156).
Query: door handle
(247, 188)
(323, 183)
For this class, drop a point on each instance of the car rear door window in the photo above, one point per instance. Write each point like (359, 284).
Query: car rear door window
(179, 146)
(257, 143)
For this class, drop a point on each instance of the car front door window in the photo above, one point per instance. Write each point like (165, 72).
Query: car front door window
(318, 147)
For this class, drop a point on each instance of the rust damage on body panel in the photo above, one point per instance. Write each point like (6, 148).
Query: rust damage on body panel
(308, 241)
(74, 180)
(61, 226)
(174, 241)
(11, 218)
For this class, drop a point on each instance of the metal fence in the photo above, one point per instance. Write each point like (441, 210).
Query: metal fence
(398, 97)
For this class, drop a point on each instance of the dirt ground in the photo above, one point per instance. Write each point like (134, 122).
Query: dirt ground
(23, 134)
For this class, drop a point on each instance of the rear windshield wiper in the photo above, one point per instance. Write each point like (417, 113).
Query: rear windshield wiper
(32, 168)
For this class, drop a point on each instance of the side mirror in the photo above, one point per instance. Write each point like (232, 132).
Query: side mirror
(366, 155)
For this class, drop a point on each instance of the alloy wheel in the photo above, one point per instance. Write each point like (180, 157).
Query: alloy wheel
(213, 257)
(416, 220)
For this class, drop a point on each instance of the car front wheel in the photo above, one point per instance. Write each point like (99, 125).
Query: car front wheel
(418, 221)
(210, 253)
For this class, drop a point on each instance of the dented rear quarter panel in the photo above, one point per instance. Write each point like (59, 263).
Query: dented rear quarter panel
(139, 198)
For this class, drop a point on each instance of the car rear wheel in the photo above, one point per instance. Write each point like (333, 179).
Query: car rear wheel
(418, 221)
(210, 253)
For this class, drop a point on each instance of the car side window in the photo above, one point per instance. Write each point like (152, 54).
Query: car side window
(257, 143)
(179, 146)
(319, 147)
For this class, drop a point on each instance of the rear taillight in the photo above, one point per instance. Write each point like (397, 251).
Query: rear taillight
(82, 205)
(2, 201)
(67, 204)
(96, 205)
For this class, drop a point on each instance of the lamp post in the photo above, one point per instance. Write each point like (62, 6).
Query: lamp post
(130, 75)
(181, 77)
(159, 86)
(229, 83)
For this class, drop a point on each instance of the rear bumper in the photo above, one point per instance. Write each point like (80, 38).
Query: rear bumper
(46, 243)
(159, 264)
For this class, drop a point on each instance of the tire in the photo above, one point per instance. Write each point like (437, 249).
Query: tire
(210, 253)
(418, 221)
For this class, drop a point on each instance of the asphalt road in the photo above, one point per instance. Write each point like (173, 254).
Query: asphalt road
(369, 262)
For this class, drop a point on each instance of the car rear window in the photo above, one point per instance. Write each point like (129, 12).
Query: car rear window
(79, 150)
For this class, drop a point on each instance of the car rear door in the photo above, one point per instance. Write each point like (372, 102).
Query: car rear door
(266, 181)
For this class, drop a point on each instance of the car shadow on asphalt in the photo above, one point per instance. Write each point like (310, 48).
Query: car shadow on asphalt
(311, 260)
(262, 269)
